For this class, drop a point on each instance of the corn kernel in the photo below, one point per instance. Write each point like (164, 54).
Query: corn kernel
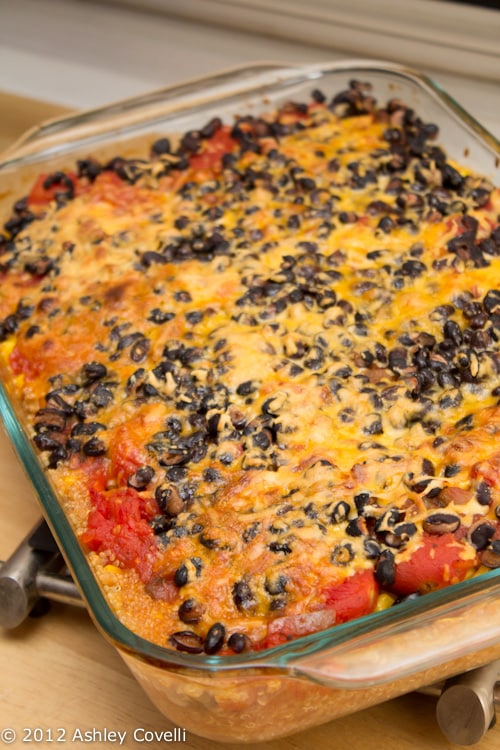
(384, 601)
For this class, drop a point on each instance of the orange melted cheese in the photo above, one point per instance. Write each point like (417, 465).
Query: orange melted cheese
(265, 383)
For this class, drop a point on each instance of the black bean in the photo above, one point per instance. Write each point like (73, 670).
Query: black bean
(176, 473)
(451, 400)
(347, 415)
(191, 141)
(389, 519)
(246, 388)
(491, 555)
(208, 130)
(161, 524)
(375, 428)
(491, 302)
(343, 372)
(483, 493)
(441, 523)
(481, 196)
(342, 555)
(39, 267)
(86, 428)
(318, 96)
(354, 527)
(210, 541)
(58, 454)
(32, 331)
(89, 168)
(161, 146)
(413, 268)
(446, 379)
(139, 350)
(361, 500)
(94, 371)
(398, 359)
(385, 569)
(187, 641)
(150, 257)
(159, 317)
(452, 331)
(101, 396)
(276, 585)
(306, 183)
(262, 440)
(293, 222)
(433, 493)
(169, 500)
(481, 535)
(24, 311)
(280, 547)
(94, 447)
(251, 531)
(214, 639)
(140, 479)
(238, 642)
(451, 178)
(243, 596)
(348, 217)
(10, 324)
(73, 445)
(421, 486)
(50, 420)
(406, 529)
(190, 611)
(400, 535)
(181, 576)
(372, 549)
(194, 317)
(84, 409)
(386, 224)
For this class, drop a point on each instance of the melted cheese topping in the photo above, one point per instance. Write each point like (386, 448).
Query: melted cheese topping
(262, 371)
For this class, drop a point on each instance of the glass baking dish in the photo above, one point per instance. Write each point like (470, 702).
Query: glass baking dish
(262, 695)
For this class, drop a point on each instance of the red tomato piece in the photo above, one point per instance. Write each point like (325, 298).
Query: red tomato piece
(116, 525)
(435, 564)
(354, 597)
(109, 187)
(210, 157)
(42, 193)
(124, 453)
(284, 629)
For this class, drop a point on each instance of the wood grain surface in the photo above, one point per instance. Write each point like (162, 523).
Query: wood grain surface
(59, 677)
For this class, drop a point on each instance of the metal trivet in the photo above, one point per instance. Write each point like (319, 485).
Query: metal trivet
(36, 574)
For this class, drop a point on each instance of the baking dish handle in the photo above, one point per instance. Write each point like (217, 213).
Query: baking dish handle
(418, 641)
(121, 115)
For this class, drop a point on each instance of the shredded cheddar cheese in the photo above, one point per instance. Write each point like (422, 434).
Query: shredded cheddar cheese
(262, 369)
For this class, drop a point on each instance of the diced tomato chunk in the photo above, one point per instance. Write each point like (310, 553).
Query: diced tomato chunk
(22, 364)
(108, 187)
(213, 149)
(118, 525)
(354, 597)
(435, 564)
(47, 187)
(284, 629)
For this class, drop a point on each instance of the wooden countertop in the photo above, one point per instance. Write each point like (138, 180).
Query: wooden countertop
(58, 673)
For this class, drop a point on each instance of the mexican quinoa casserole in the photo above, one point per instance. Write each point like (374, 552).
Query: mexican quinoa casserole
(261, 366)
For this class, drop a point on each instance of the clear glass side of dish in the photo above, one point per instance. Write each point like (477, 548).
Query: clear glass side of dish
(401, 648)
